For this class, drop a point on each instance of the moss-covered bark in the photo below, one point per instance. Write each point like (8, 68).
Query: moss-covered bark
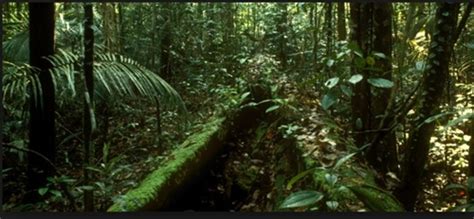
(158, 189)
(163, 186)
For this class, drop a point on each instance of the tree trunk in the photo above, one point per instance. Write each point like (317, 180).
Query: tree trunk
(361, 15)
(282, 29)
(229, 37)
(315, 26)
(383, 153)
(341, 21)
(165, 69)
(435, 75)
(88, 103)
(329, 30)
(42, 130)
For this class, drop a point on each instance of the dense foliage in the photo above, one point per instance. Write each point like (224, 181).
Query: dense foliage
(378, 97)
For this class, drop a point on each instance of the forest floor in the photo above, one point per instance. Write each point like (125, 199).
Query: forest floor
(121, 164)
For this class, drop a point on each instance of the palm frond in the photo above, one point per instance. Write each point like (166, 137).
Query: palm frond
(126, 77)
(116, 76)
(16, 49)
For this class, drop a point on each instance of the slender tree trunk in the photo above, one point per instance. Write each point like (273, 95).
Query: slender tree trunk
(329, 30)
(382, 154)
(435, 76)
(121, 27)
(341, 21)
(229, 37)
(88, 103)
(361, 16)
(315, 26)
(282, 29)
(165, 63)
(42, 130)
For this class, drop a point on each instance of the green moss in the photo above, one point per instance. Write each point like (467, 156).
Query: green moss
(171, 172)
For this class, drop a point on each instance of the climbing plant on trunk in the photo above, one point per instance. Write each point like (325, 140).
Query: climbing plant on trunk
(435, 75)
(89, 121)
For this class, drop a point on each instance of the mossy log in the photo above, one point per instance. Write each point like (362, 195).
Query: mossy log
(163, 186)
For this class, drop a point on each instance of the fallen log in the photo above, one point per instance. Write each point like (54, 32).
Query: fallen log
(186, 164)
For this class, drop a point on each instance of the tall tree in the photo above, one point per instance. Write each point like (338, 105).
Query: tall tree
(361, 18)
(42, 106)
(329, 27)
(315, 27)
(88, 103)
(434, 78)
(165, 61)
(282, 39)
(229, 36)
(341, 21)
(382, 153)
(110, 28)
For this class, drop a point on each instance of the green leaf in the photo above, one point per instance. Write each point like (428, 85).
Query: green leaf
(380, 55)
(359, 124)
(455, 186)
(376, 199)
(332, 204)
(433, 118)
(380, 82)
(331, 179)
(330, 62)
(346, 90)
(419, 65)
(302, 199)
(460, 207)
(343, 160)
(56, 193)
(298, 177)
(328, 101)
(43, 191)
(460, 119)
(331, 82)
(359, 62)
(88, 188)
(272, 108)
(245, 95)
(470, 184)
(355, 78)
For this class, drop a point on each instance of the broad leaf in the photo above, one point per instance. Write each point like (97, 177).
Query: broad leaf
(302, 199)
(330, 62)
(328, 101)
(346, 90)
(42, 191)
(332, 204)
(380, 82)
(331, 179)
(355, 78)
(332, 82)
(419, 65)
